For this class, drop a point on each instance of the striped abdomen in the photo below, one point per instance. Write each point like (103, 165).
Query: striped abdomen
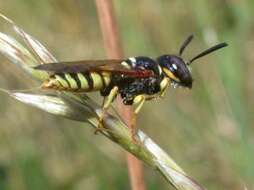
(78, 82)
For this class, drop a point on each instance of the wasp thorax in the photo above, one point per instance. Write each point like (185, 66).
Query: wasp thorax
(176, 69)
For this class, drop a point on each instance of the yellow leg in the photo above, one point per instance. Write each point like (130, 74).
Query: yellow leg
(164, 85)
(138, 102)
(106, 104)
(151, 97)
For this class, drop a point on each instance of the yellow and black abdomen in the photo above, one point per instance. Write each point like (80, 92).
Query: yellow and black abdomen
(78, 82)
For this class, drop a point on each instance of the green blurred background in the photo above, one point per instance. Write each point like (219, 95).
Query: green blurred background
(208, 130)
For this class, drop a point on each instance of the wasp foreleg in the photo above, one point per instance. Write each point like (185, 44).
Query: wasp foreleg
(164, 85)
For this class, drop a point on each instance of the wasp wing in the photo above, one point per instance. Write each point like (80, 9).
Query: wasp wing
(112, 65)
(76, 66)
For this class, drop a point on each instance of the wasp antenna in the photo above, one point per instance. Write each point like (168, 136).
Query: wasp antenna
(185, 43)
(208, 51)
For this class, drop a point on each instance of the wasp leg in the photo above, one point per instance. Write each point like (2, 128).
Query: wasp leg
(106, 104)
(151, 97)
(164, 85)
(138, 102)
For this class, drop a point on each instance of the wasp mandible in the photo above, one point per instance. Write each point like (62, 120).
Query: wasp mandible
(136, 79)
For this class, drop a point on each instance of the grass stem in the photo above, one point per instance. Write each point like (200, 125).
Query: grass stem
(114, 50)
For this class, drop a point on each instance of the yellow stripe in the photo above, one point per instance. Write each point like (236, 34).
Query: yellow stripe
(62, 81)
(106, 77)
(83, 81)
(71, 81)
(125, 64)
(97, 81)
(171, 75)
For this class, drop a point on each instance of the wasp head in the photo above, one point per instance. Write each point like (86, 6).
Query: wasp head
(177, 70)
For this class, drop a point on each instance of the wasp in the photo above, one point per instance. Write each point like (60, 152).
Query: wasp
(136, 79)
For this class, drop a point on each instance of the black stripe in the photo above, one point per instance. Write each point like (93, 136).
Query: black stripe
(129, 62)
(75, 77)
(62, 75)
(89, 79)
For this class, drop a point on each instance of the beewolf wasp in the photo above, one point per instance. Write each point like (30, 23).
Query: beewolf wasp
(136, 79)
